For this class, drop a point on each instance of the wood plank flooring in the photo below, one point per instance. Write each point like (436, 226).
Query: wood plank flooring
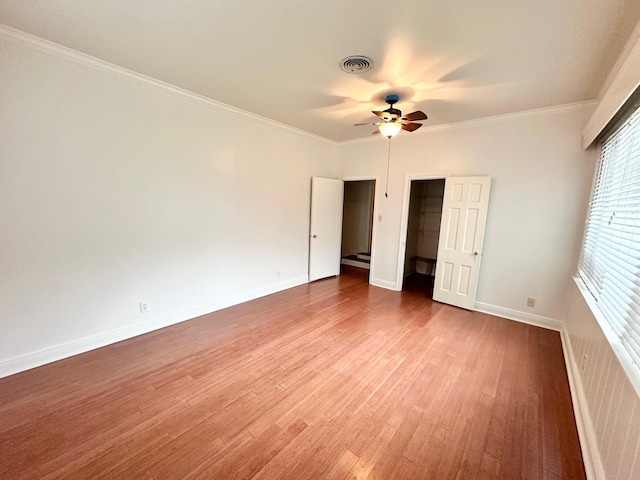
(335, 379)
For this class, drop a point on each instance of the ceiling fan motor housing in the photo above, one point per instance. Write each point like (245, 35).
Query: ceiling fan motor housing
(392, 98)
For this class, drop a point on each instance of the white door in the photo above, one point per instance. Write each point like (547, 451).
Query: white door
(464, 214)
(326, 227)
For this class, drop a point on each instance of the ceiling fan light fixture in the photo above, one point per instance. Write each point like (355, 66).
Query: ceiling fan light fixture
(389, 129)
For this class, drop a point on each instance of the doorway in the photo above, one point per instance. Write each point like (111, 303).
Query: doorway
(357, 223)
(423, 232)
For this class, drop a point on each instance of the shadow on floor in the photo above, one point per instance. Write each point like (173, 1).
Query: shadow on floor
(419, 284)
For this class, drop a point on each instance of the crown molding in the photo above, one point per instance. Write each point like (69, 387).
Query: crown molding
(48, 47)
(506, 117)
(65, 53)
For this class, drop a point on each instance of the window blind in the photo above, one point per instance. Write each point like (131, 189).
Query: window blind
(610, 259)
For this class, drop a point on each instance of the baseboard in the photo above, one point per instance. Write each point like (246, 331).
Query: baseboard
(377, 282)
(355, 263)
(590, 453)
(82, 345)
(518, 316)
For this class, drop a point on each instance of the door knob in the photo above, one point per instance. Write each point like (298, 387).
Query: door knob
(314, 236)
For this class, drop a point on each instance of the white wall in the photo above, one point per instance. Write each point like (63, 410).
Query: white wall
(115, 191)
(540, 175)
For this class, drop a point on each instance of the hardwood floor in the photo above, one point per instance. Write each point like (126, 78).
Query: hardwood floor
(335, 379)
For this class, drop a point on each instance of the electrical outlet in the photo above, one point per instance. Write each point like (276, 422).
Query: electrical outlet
(531, 302)
(144, 307)
(583, 363)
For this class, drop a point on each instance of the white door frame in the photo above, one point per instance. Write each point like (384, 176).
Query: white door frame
(402, 241)
(376, 191)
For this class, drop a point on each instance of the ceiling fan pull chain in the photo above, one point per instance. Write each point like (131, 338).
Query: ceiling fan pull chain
(386, 187)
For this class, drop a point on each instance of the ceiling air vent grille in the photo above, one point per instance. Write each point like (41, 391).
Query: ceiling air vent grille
(356, 64)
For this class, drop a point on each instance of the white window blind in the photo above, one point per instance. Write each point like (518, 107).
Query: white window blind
(610, 260)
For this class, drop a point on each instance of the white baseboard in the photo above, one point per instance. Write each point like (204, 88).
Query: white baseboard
(590, 453)
(355, 263)
(377, 282)
(518, 316)
(75, 347)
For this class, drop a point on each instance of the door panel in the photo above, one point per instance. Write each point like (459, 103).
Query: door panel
(326, 227)
(464, 215)
(446, 276)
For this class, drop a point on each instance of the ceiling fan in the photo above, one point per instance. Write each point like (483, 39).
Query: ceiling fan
(391, 120)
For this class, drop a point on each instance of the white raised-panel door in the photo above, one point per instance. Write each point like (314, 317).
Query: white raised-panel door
(325, 239)
(464, 215)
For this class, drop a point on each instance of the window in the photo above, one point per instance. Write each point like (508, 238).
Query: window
(610, 261)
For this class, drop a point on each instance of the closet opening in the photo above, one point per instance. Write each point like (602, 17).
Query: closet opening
(423, 233)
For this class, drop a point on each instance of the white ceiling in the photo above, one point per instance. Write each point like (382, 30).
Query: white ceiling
(456, 60)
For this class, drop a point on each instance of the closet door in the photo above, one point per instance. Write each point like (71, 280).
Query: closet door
(464, 215)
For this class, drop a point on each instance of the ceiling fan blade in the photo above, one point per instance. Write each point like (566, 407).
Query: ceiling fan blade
(415, 116)
(381, 114)
(366, 123)
(377, 130)
(410, 127)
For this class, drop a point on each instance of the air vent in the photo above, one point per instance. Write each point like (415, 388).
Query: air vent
(356, 64)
